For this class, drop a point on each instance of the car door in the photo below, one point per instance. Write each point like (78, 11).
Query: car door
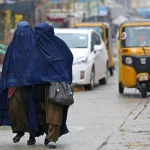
(104, 58)
(98, 61)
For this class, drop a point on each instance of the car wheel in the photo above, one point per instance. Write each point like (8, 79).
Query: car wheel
(121, 88)
(111, 70)
(92, 82)
(114, 68)
(105, 79)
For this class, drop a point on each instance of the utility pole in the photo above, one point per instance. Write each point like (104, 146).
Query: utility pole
(144, 6)
(62, 5)
(97, 10)
(74, 10)
(88, 6)
(32, 18)
(68, 6)
(103, 1)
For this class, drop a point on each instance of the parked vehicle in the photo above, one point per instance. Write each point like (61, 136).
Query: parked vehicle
(134, 56)
(90, 64)
(104, 31)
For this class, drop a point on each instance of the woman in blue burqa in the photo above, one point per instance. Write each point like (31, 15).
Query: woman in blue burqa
(17, 104)
(51, 62)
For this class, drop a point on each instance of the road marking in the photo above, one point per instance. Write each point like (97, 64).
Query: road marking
(138, 144)
(76, 128)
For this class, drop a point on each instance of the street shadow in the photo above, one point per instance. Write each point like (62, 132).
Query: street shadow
(132, 94)
(34, 147)
(23, 147)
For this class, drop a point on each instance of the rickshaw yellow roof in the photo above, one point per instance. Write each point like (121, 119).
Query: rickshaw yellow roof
(85, 24)
(136, 22)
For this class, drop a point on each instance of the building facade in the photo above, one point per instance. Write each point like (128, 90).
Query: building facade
(133, 4)
(126, 3)
(140, 3)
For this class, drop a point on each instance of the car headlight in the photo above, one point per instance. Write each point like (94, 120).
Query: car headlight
(80, 60)
(128, 60)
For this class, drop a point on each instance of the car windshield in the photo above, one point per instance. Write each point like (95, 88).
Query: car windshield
(99, 30)
(138, 36)
(74, 40)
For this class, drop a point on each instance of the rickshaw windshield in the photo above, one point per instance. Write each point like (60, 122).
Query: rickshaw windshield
(136, 36)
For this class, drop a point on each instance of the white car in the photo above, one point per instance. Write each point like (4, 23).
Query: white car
(90, 64)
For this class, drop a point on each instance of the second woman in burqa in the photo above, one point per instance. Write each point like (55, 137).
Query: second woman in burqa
(51, 62)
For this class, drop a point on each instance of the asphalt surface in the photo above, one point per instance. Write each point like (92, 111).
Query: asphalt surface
(101, 119)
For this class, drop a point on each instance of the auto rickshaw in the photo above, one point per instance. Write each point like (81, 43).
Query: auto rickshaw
(134, 56)
(104, 30)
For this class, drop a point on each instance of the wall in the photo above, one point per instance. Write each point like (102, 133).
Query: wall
(126, 3)
(140, 3)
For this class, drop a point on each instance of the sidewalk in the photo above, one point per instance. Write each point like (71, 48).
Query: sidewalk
(134, 133)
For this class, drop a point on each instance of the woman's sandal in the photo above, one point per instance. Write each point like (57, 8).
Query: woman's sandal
(17, 138)
(31, 140)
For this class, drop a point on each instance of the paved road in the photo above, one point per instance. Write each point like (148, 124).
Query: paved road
(99, 120)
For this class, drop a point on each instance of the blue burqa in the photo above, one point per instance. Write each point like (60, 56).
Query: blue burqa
(17, 57)
(51, 61)
(14, 73)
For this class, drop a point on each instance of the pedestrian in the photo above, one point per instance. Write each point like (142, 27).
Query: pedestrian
(17, 106)
(51, 62)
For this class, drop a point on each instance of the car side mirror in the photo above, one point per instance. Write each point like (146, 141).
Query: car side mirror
(98, 48)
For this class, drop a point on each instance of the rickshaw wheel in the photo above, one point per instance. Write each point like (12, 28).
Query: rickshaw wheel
(121, 88)
(144, 90)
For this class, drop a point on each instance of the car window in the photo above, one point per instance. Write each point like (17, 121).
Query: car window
(98, 42)
(74, 40)
(93, 42)
(99, 30)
